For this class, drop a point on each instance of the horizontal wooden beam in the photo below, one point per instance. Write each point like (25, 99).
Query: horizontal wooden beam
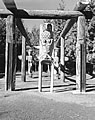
(41, 14)
(47, 14)
(70, 22)
(11, 6)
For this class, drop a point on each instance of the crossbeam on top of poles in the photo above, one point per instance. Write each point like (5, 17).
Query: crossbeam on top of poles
(41, 14)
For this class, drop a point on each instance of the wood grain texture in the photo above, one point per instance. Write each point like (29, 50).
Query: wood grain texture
(70, 22)
(23, 71)
(10, 65)
(81, 55)
(11, 6)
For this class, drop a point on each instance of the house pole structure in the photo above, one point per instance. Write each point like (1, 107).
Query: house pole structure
(81, 55)
(23, 61)
(11, 54)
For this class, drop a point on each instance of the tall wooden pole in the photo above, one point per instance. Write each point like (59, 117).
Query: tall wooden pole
(81, 55)
(7, 83)
(23, 71)
(40, 77)
(14, 53)
(52, 77)
(29, 62)
(40, 63)
(10, 60)
(62, 58)
(80, 6)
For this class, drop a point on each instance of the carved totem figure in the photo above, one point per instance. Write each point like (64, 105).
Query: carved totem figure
(46, 41)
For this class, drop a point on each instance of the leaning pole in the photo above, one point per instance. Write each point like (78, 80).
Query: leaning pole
(80, 6)
(80, 46)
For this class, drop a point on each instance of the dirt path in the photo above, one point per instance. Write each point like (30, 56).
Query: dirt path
(30, 105)
(26, 103)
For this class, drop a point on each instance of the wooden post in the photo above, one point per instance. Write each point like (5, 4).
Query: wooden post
(10, 60)
(14, 62)
(35, 66)
(81, 55)
(23, 71)
(40, 77)
(46, 50)
(62, 58)
(80, 6)
(52, 77)
(48, 68)
(29, 62)
(7, 83)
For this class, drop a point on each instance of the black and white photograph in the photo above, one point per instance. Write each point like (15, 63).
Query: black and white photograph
(47, 59)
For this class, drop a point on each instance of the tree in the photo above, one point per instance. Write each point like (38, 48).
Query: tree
(59, 24)
(2, 35)
(34, 36)
(34, 39)
(91, 41)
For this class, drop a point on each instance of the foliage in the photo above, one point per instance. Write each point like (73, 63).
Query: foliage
(2, 35)
(3, 42)
(70, 40)
(18, 36)
(34, 38)
(57, 23)
(91, 41)
(71, 37)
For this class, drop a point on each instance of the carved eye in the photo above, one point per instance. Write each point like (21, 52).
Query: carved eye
(49, 41)
(45, 41)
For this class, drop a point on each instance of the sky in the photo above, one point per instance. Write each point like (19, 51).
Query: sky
(39, 5)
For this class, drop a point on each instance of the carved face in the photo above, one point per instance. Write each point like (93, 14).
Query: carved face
(46, 40)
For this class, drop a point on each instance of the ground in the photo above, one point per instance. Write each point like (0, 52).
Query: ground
(26, 103)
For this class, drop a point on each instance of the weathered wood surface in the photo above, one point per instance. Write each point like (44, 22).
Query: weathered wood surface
(81, 55)
(40, 77)
(41, 14)
(46, 52)
(70, 22)
(62, 59)
(10, 5)
(44, 14)
(23, 71)
(10, 64)
(47, 14)
(52, 78)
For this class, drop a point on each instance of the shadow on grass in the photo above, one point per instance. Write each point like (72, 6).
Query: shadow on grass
(72, 80)
(90, 90)
(93, 76)
(45, 87)
(90, 87)
(25, 89)
(65, 89)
